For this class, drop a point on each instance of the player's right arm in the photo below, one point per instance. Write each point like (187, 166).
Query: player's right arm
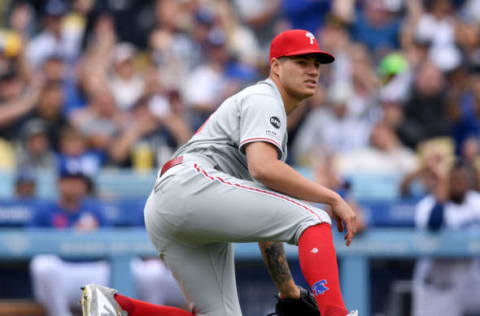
(264, 166)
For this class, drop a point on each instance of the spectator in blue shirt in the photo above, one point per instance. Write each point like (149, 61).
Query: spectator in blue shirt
(72, 209)
(56, 281)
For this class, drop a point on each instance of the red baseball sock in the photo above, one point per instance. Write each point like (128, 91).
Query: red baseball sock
(138, 308)
(318, 262)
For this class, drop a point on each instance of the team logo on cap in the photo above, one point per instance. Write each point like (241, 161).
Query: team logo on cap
(311, 37)
(275, 121)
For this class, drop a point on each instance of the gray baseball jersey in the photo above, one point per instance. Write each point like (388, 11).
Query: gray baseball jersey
(254, 114)
(199, 207)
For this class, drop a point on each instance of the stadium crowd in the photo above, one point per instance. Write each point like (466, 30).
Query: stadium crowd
(122, 84)
(87, 85)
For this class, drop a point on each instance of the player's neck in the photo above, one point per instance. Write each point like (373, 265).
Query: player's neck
(289, 101)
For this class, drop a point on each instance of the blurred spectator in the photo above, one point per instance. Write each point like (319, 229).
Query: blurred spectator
(434, 155)
(25, 185)
(174, 54)
(56, 281)
(55, 70)
(467, 39)
(437, 23)
(50, 109)
(54, 40)
(305, 14)
(297, 118)
(363, 83)
(125, 82)
(33, 149)
(94, 65)
(376, 24)
(242, 43)
(386, 154)
(396, 78)
(448, 286)
(75, 155)
(142, 124)
(16, 102)
(426, 109)
(261, 16)
(157, 126)
(100, 121)
(467, 116)
(331, 129)
(353, 69)
(207, 83)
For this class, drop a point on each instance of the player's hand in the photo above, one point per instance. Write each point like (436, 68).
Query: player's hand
(344, 215)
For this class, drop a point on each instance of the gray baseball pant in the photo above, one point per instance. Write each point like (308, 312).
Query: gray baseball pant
(195, 212)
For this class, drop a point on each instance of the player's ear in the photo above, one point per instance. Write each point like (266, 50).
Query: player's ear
(275, 66)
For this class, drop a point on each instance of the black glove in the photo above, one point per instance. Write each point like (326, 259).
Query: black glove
(304, 306)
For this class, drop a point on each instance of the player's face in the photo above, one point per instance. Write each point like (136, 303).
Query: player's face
(299, 75)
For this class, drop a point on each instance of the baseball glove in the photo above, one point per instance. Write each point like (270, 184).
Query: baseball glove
(304, 306)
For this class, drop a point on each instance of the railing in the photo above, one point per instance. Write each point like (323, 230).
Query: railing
(120, 245)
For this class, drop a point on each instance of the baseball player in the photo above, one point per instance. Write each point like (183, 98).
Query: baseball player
(448, 286)
(230, 183)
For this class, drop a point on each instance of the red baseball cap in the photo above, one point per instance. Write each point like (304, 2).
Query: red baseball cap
(298, 42)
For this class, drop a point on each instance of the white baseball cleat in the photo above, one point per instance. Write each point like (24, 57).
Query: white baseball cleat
(98, 300)
(353, 313)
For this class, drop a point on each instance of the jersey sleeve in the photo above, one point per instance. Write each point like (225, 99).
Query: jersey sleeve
(262, 120)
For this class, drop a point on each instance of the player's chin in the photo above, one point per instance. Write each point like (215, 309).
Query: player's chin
(307, 92)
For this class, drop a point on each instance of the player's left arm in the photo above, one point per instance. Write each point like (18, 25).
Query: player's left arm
(275, 260)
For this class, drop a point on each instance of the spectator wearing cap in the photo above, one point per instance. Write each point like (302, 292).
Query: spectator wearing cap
(56, 281)
(52, 40)
(126, 83)
(34, 150)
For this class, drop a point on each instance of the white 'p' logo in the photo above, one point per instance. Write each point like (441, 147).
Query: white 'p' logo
(310, 36)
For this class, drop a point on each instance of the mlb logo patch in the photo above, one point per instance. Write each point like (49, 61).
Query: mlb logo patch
(319, 287)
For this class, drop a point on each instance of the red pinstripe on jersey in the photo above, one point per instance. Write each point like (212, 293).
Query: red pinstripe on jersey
(280, 196)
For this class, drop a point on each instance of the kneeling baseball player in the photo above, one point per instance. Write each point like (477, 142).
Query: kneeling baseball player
(229, 184)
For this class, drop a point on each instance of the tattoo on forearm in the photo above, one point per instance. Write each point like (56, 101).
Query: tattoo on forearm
(276, 262)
